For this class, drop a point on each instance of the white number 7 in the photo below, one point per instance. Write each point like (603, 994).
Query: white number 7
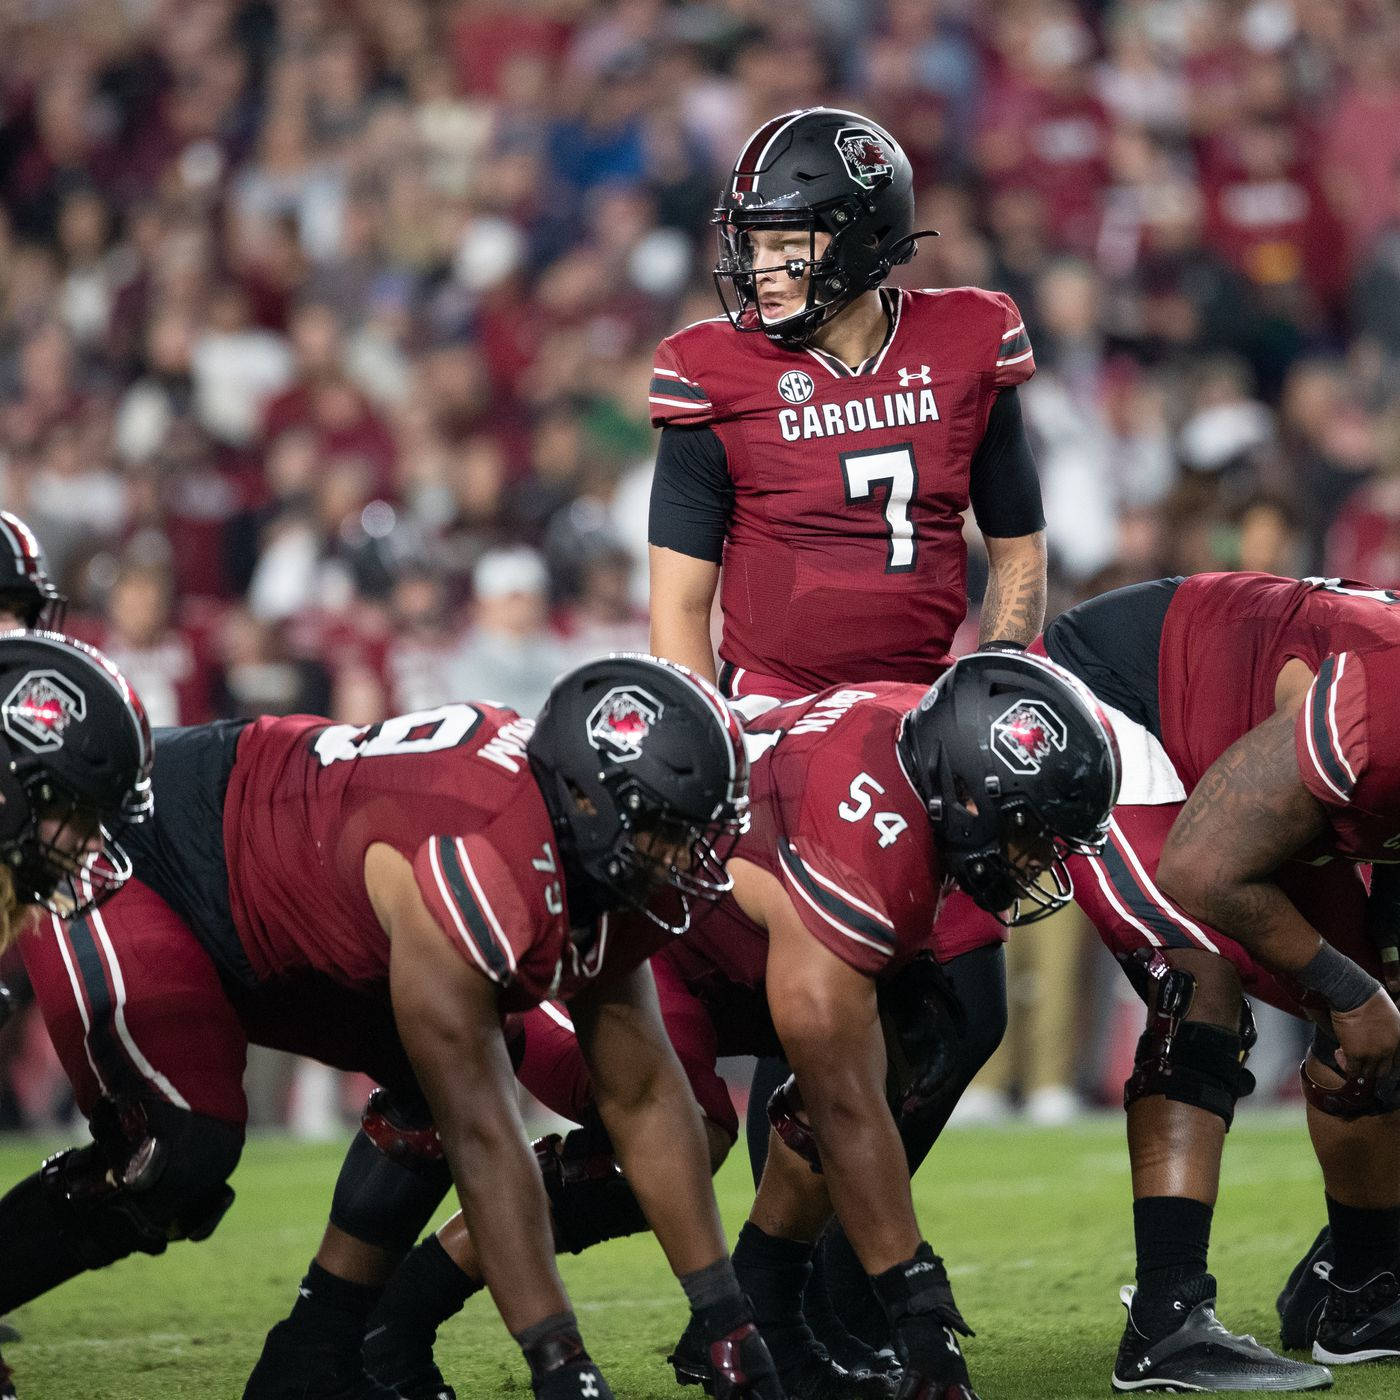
(893, 469)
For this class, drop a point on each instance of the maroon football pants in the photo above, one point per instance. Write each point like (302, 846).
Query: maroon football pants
(137, 1010)
(554, 1071)
(1117, 890)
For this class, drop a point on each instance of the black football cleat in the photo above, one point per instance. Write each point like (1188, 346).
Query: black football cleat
(810, 1374)
(1199, 1353)
(295, 1366)
(849, 1352)
(1300, 1303)
(405, 1364)
(1361, 1324)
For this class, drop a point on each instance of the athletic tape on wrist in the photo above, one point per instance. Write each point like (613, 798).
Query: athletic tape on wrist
(1337, 980)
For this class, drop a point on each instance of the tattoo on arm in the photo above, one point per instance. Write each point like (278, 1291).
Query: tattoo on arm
(1247, 815)
(1014, 606)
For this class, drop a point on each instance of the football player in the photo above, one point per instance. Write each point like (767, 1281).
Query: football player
(864, 801)
(378, 897)
(824, 439)
(28, 597)
(1273, 700)
(826, 434)
(75, 775)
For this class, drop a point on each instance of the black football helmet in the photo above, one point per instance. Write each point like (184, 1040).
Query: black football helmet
(1009, 748)
(825, 171)
(25, 587)
(75, 770)
(643, 769)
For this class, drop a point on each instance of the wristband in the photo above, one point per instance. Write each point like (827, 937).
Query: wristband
(1336, 979)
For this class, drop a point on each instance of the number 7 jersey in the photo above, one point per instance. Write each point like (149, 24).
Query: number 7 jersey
(844, 556)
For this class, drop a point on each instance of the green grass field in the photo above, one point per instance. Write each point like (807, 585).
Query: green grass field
(1034, 1223)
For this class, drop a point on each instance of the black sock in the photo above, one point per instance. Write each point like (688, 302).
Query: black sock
(773, 1271)
(425, 1290)
(853, 1300)
(816, 1300)
(333, 1308)
(1367, 1242)
(1173, 1239)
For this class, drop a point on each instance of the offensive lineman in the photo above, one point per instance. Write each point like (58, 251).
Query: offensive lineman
(823, 439)
(28, 598)
(864, 801)
(75, 775)
(1274, 700)
(377, 897)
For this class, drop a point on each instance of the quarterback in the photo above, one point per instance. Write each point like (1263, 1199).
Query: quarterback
(824, 437)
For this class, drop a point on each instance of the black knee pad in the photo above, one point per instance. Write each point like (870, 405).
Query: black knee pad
(171, 1169)
(191, 1190)
(588, 1196)
(1351, 1098)
(925, 1028)
(975, 986)
(393, 1178)
(1199, 1064)
(153, 1174)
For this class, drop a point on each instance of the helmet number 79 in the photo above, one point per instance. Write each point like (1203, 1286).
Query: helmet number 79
(888, 824)
(891, 471)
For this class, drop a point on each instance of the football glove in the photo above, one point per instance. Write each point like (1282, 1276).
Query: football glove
(919, 1303)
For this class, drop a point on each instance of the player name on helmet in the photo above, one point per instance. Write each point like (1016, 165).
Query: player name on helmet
(897, 410)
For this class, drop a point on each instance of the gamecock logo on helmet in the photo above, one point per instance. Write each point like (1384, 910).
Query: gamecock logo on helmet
(40, 708)
(1027, 733)
(621, 720)
(864, 155)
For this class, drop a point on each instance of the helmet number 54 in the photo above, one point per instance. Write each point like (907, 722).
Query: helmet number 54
(888, 824)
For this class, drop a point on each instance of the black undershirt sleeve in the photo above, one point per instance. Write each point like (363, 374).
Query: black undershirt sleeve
(692, 494)
(1003, 483)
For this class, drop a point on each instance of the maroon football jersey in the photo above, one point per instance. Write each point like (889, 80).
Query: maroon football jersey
(1225, 639)
(451, 789)
(838, 822)
(845, 553)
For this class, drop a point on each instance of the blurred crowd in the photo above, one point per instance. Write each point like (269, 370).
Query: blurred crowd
(326, 325)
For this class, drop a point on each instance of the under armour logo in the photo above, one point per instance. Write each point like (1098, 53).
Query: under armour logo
(588, 1383)
(909, 376)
